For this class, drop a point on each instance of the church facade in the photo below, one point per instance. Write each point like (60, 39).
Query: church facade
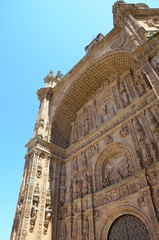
(92, 166)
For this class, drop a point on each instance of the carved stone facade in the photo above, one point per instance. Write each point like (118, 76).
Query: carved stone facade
(92, 166)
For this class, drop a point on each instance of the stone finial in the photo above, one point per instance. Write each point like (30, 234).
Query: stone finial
(51, 81)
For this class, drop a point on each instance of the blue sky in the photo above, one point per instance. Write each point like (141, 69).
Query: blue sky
(37, 36)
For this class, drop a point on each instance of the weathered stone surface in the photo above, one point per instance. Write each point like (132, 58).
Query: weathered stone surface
(92, 166)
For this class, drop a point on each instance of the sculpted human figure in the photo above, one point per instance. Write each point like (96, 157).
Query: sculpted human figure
(140, 85)
(74, 187)
(85, 184)
(62, 193)
(89, 179)
(34, 211)
(124, 95)
(106, 181)
(84, 158)
(48, 212)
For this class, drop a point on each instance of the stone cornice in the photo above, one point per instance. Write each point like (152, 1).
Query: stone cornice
(45, 93)
(46, 147)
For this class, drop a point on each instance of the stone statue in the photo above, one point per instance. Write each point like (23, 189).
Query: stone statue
(85, 184)
(34, 211)
(48, 213)
(62, 193)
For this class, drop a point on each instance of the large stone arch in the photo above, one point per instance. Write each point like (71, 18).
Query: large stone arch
(124, 209)
(113, 154)
(86, 81)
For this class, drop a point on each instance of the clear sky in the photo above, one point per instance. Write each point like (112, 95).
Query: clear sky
(36, 37)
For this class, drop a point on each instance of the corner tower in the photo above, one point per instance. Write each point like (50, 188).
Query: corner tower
(93, 162)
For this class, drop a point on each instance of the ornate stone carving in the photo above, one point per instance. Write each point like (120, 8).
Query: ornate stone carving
(76, 187)
(33, 216)
(108, 139)
(152, 178)
(48, 214)
(62, 193)
(117, 169)
(122, 41)
(140, 133)
(141, 201)
(120, 192)
(39, 171)
(154, 22)
(140, 84)
(124, 131)
(125, 98)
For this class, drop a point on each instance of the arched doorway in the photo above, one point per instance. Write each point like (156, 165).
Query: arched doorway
(128, 227)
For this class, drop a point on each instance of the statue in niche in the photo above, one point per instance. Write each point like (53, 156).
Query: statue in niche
(108, 109)
(63, 170)
(140, 133)
(34, 211)
(62, 193)
(141, 88)
(89, 179)
(124, 95)
(155, 62)
(154, 125)
(48, 213)
(154, 152)
(86, 126)
(79, 188)
(83, 158)
(139, 158)
(33, 216)
(75, 163)
(74, 187)
(74, 133)
(84, 184)
(146, 155)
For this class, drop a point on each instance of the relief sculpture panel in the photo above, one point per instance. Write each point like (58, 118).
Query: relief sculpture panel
(109, 98)
(116, 169)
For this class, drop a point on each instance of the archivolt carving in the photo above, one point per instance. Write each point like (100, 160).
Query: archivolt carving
(114, 164)
(103, 230)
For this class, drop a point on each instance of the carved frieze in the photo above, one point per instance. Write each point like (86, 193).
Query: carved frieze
(120, 192)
